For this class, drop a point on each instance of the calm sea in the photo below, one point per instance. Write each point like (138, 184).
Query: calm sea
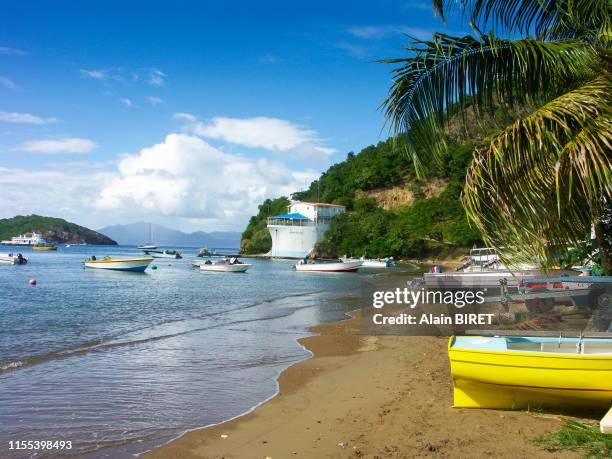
(118, 362)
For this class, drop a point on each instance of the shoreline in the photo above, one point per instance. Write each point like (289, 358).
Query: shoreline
(365, 396)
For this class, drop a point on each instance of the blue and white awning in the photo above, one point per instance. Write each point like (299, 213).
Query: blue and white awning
(294, 216)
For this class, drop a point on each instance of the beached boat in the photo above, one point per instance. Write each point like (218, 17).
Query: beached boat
(523, 372)
(163, 254)
(13, 259)
(488, 279)
(329, 266)
(44, 247)
(229, 265)
(119, 264)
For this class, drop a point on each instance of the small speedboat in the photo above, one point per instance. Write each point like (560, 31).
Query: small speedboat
(372, 263)
(229, 265)
(328, 266)
(163, 254)
(46, 247)
(13, 259)
(519, 372)
(119, 264)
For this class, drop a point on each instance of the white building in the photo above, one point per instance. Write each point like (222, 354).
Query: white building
(295, 233)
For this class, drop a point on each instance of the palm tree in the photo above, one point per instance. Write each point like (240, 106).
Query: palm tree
(539, 184)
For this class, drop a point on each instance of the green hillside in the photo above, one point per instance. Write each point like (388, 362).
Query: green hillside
(427, 216)
(56, 230)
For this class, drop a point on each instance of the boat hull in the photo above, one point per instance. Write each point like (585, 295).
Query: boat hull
(350, 266)
(486, 279)
(133, 265)
(9, 259)
(225, 268)
(44, 248)
(519, 380)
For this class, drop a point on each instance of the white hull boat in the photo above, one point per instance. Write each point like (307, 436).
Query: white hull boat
(329, 267)
(231, 265)
(147, 247)
(487, 279)
(163, 254)
(372, 263)
(13, 259)
(119, 264)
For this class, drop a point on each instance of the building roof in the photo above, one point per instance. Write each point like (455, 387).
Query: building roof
(317, 203)
(294, 216)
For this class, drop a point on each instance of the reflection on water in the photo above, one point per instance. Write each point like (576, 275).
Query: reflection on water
(120, 362)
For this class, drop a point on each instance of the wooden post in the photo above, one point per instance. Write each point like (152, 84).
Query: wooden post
(605, 425)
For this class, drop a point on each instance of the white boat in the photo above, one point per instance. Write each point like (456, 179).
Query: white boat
(163, 254)
(119, 264)
(372, 263)
(149, 245)
(329, 266)
(488, 279)
(32, 238)
(229, 265)
(13, 259)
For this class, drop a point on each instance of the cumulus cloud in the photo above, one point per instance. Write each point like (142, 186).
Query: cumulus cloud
(8, 83)
(260, 132)
(73, 145)
(28, 118)
(7, 51)
(186, 177)
(157, 78)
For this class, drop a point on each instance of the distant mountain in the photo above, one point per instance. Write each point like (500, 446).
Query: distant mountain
(138, 233)
(52, 229)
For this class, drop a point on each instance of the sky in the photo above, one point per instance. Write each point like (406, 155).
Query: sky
(189, 114)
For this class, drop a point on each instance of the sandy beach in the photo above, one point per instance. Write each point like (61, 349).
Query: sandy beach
(375, 397)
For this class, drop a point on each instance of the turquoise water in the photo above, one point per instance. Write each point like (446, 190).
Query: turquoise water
(118, 362)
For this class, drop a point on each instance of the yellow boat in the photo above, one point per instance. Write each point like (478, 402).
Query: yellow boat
(44, 247)
(519, 372)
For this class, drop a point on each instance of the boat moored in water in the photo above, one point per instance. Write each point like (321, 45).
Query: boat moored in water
(44, 247)
(163, 254)
(229, 265)
(13, 259)
(119, 264)
(521, 372)
(329, 266)
(372, 262)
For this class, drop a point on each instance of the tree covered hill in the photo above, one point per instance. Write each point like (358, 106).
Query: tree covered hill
(55, 230)
(427, 216)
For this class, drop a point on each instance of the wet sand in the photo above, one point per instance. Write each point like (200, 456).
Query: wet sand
(375, 397)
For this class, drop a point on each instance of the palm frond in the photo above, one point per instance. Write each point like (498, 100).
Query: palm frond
(538, 184)
(443, 75)
(547, 18)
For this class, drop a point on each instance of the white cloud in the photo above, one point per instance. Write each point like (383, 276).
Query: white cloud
(127, 102)
(419, 5)
(8, 84)
(154, 100)
(260, 132)
(98, 74)
(57, 146)
(383, 31)
(7, 51)
(185, 177)
(157, 78)
(268, 59)
(15, 117)
(358, 51)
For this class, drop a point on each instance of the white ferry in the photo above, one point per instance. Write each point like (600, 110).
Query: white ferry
(32, 238)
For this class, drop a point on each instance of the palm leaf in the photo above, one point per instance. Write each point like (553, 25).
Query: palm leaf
(539, 184)
(446, 74)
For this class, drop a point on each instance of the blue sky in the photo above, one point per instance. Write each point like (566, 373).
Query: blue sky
(188, 113)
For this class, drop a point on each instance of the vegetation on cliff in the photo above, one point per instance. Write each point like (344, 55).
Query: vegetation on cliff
(55, 230)
(256, 238)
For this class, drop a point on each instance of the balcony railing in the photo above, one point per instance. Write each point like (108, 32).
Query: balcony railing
(290, 222)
